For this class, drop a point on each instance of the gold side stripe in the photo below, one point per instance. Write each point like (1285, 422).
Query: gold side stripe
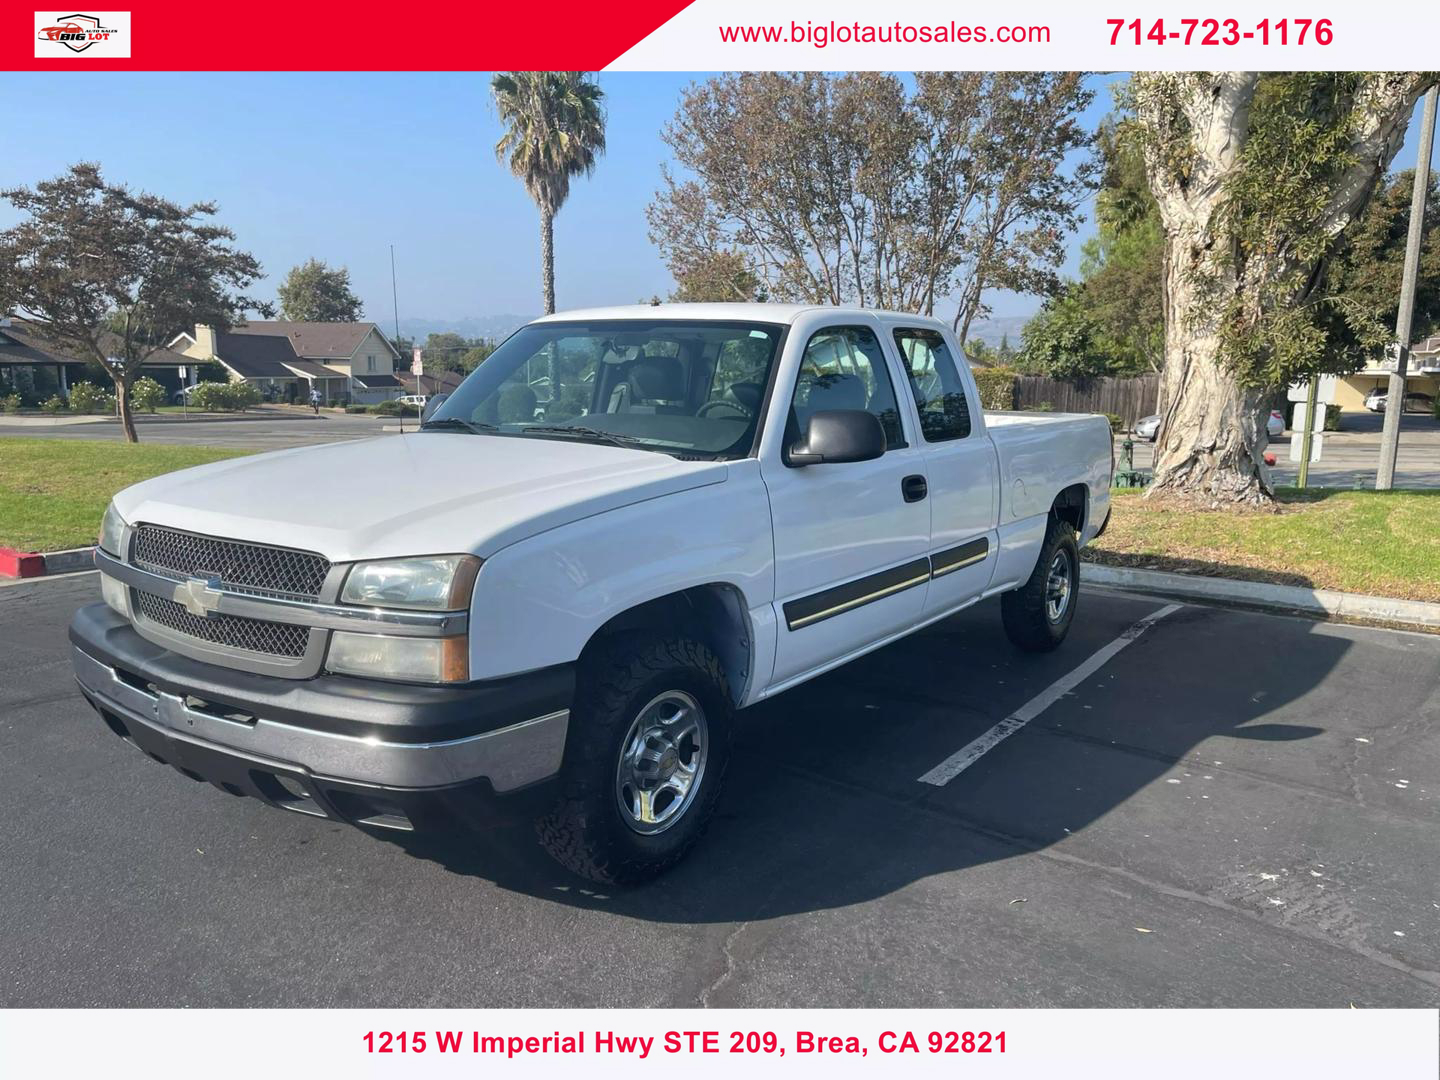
(979, 557)
(796, 624)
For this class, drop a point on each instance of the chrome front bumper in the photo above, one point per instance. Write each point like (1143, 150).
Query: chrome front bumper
(509, 758)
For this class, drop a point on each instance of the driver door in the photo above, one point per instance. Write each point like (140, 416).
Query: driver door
(850, 539)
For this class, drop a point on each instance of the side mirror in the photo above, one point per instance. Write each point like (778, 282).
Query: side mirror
(431, 405)
(836, 436)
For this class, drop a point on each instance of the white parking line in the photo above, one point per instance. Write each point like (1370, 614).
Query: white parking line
(967, 755)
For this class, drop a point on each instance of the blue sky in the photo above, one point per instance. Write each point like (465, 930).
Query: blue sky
(341, 166)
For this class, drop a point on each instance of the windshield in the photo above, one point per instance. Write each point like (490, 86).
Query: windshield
(687, 388)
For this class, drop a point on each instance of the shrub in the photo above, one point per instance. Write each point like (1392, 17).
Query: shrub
(54, 404)
(573, 402)
(357, 408)
(10, 404)
(997, 387)
(242, 395)
(209, 397)
(88, 398)
(224, 397)
(1040, 406)
(1332, 417)
(517, 404)
(1117, 423)
(147, 394)
(392, 407)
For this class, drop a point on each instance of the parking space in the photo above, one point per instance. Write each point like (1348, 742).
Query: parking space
(1234, 810)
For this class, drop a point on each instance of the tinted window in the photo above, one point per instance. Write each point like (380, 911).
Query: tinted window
(843, 368)
(690, 388)
(935, 382)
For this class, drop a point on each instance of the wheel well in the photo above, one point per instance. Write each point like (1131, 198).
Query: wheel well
(714, 614)
(1071, 505)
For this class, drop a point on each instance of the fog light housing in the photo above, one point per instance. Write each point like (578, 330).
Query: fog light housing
(400, 659)
(115, 594)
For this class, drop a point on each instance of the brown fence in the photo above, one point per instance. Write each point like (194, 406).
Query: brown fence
(1129, 399)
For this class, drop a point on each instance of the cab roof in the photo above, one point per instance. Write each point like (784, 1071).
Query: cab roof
(765, 313)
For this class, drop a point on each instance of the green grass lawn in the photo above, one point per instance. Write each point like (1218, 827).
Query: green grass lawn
(54, 491)
(1382, 543)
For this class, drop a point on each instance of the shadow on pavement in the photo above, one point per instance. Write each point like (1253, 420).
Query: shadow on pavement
(823, 808)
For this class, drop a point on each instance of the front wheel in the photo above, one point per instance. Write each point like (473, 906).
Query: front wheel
(1037, 615)
(648, 746)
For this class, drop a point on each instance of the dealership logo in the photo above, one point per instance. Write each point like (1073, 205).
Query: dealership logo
(104, 33)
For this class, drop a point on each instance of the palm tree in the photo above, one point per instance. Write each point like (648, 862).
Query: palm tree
(554, 129)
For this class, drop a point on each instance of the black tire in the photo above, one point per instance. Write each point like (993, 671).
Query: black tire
(587, 831)
(1030, 622)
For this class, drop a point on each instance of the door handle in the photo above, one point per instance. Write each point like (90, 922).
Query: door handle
(914, 488)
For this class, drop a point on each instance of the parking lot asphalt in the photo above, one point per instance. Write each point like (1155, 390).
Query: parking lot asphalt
(1235, 810)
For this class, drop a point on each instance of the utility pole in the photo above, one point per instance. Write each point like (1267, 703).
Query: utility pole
(1307, 436)
(395, 304)
(1395, 402)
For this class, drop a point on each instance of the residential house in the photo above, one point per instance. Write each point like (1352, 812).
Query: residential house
(1422, 376)
(445, 382)
(286, 360)
(37, 367)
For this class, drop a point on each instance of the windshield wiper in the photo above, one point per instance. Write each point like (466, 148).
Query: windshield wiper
(583, 433)
(455, 421)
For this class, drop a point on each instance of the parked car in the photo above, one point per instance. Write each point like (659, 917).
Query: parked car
(182, 396)
(418, 400)
(562, 618)
(1415, 402)
(1149, 427)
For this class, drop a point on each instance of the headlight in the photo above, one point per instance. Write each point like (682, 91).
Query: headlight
(436, 583)
(112, 531)
(433, 660)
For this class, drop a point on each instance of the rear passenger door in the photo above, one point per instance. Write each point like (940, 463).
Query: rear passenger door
(961, 466)
(850, 539)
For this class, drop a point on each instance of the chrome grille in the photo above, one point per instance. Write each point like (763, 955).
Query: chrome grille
(241, 566)
(232, 631)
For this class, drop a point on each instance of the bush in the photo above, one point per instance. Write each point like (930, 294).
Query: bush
(573, 402)
(517, 404)
(88, 398)
(997, 387)
(10, 404)
(147, 394)
(357, 408)
(224, 397)
(392, 407)
(54, 404)
(1117, 423)
(1040, 406)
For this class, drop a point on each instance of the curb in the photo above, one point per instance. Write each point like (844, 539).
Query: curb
(1326, 603)
(32, 564)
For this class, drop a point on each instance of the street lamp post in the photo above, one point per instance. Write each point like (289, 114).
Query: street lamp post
(1395, 401)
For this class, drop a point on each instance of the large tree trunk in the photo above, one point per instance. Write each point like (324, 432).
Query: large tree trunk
(122, 401)
(1197, 124)
(547, 257)
(1212, 430)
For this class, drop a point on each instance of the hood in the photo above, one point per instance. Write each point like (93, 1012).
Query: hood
(420, 494)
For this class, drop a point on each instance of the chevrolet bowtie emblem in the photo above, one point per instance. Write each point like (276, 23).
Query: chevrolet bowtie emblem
(199, 595)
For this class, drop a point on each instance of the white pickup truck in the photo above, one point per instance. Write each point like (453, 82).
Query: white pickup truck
(624, 526)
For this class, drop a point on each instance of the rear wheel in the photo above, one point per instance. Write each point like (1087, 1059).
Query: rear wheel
(649, 743)
(1037, 615)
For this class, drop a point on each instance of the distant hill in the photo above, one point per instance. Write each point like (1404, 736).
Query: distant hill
(991, 331)
(494, 327)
